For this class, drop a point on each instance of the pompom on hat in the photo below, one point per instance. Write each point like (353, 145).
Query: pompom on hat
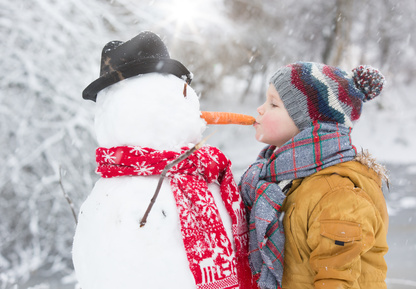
(317, 92)
(369, 80)
(145, 53)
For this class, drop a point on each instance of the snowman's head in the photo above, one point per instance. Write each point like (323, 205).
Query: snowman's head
(148, 110)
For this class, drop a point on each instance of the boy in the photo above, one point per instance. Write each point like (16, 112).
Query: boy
(309, 194)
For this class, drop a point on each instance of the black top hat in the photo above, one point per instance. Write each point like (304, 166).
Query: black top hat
(142, 54)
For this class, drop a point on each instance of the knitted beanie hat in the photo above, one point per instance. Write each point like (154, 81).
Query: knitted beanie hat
(314, 91)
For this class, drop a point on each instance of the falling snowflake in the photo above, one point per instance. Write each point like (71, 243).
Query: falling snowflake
(109, 157)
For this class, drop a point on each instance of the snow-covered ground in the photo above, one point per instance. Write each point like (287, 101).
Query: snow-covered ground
(401, 200)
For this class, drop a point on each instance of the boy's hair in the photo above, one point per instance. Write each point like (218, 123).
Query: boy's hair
(314, 91)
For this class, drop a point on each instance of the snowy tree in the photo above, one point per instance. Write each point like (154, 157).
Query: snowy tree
(46, 128)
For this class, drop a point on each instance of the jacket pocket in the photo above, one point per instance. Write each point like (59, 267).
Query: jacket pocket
(341, 232)
(291, 246)
(340, 247)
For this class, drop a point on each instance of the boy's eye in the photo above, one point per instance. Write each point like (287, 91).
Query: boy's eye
(274, 105)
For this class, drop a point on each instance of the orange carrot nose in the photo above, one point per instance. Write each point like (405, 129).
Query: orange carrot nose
(215, 117)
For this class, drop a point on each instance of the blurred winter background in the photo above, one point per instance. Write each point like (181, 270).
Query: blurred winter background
(51, 51)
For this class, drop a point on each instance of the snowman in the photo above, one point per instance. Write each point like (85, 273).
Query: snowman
(195, 231)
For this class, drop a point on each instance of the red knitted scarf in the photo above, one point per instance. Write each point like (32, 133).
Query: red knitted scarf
(209, 251)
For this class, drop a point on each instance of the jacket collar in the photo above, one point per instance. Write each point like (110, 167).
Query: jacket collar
(362, 167)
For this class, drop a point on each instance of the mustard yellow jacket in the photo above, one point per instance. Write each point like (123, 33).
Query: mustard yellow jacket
(336, 225)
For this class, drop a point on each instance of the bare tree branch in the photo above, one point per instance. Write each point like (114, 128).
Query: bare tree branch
(68, 199)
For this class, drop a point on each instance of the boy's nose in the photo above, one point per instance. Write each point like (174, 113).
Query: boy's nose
(260, 109)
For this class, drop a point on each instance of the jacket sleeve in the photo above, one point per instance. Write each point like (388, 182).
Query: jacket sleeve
(341, 229)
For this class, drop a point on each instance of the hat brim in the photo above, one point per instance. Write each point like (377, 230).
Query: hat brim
(134, 68)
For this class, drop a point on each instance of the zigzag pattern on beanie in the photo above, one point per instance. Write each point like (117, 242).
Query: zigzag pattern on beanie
(331, 96)
(318, 92)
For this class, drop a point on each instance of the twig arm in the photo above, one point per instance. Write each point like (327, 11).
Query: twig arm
(163, 174)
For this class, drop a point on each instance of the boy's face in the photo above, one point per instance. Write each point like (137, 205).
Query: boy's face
(274, 126)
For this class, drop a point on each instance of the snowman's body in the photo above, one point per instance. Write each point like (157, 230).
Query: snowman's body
(110, 248)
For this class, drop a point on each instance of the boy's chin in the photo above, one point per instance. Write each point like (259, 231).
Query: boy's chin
(262, 140)
(266, 142)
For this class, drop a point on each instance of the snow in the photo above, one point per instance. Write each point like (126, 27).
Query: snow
(112, 251)
(45, 125)
(387, 126)
(408, 202)
(110, 248)
(126, 113)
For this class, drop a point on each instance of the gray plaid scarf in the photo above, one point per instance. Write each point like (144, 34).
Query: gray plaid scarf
(262, 188)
